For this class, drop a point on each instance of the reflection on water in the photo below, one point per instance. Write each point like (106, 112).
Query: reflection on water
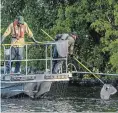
(63, 98)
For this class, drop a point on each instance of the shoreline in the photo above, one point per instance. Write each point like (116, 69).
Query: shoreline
(92, 81)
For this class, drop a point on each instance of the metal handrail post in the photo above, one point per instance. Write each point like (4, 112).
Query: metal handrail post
(51, 59)
(67, 57)
(46, 56)
(10, 60)
(4, 60)
(26, 59)
(61, 69)
(66, 64)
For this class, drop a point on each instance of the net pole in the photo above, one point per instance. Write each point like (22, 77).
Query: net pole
(88, 70)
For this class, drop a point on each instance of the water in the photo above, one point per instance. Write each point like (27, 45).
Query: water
(63, 98)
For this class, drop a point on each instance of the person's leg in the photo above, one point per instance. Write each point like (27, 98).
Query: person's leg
(19, 57)
(9, 63)
(58, 67)
(53, 65)
(55, 55)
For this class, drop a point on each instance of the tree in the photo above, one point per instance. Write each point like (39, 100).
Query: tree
(96, 23)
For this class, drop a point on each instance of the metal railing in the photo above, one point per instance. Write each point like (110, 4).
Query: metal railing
(106, 74)
(26, 59)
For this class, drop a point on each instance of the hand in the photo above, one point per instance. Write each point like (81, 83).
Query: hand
(33, 39)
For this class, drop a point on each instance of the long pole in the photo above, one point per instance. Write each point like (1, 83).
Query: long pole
(77, 60)
(47, 34)
(88, 69)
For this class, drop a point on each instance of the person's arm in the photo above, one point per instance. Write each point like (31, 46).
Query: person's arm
(29, 33)
(33, 39)
(6, 33)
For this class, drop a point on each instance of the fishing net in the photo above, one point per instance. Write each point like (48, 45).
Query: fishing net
(62, 48)
(106, 91)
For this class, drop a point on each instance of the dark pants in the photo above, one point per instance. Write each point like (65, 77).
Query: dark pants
(55, 62)
(55, 55)
(16, 54)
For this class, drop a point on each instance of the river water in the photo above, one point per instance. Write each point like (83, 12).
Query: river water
(63, 98)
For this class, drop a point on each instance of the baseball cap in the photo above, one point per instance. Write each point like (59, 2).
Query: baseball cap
(20, 19)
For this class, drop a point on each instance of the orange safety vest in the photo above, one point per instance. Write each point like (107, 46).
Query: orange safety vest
(16, 31)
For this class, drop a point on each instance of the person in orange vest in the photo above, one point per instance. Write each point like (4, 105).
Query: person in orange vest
(17, 30)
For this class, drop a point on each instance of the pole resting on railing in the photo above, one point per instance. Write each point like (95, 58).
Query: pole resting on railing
(88, 70)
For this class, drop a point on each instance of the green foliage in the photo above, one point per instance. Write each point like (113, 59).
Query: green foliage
(114, 61)
(106, 26)
(97, 19)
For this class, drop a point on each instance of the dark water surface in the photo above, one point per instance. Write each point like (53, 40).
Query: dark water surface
(63, 98)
